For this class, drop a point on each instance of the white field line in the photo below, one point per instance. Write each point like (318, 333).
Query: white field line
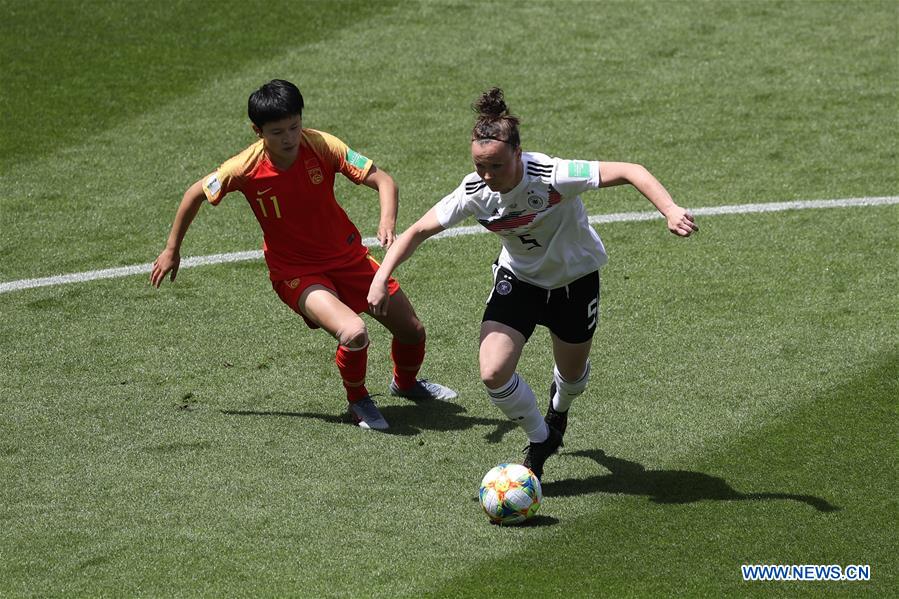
(124, 271)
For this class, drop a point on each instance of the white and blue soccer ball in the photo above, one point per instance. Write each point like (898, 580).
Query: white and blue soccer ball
(510, 494)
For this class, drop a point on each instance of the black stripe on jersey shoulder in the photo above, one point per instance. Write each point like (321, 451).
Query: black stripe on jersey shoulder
(539, 166)
(537, 171)
(475, 186)
(541, 174)
(540, 170)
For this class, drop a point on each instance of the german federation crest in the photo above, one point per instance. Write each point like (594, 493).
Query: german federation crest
(536, 202)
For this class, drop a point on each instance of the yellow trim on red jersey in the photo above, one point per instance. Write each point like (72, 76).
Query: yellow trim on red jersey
(353, 165)
(229, 176)
(234, 171)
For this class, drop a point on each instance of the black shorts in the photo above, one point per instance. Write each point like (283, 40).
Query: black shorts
(570, 312)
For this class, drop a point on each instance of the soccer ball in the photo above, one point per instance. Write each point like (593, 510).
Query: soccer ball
(510, 493)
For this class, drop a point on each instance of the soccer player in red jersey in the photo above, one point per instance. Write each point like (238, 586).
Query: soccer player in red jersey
(317, 263)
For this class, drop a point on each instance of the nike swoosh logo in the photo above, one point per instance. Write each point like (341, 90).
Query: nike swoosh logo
(259, 193)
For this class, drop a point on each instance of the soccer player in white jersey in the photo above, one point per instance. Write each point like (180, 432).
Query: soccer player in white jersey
(548, 270)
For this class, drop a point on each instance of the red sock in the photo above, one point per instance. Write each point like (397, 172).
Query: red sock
(352, 364)
(407, 361)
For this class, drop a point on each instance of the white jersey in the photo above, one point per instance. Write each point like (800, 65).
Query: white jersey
(547, 239)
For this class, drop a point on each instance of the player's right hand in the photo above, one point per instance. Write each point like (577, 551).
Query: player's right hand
(167, 262)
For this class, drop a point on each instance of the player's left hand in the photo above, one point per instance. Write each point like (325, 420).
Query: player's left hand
(680, 222)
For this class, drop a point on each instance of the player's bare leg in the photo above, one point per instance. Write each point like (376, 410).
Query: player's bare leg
(322, 306)
(401, 320)
(500, 351)
(571, 358)
(408, 352)
(570, 376)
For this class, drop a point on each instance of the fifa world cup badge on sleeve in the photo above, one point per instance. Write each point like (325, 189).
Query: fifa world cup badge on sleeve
(355, 158)
(578, 169)
(212, 185)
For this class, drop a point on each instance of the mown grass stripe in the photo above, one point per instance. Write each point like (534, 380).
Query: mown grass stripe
(124, 271)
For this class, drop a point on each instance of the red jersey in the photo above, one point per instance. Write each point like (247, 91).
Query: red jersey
(304, 229)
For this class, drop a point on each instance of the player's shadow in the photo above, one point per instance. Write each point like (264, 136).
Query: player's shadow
(409, 419)
(663, 486)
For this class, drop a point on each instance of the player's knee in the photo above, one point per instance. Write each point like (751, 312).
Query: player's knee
(416, 333)
(354, 335)
(495, 376)
(409, 332)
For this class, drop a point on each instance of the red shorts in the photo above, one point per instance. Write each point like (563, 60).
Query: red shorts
(350, 284)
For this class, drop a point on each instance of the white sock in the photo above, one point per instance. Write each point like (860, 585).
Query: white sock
(566, 391)
(516, 400)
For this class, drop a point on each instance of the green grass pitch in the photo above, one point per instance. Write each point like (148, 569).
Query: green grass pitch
(191, 441)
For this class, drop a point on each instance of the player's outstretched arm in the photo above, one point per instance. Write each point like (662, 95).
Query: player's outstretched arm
(680, 221)
(170, 258)
(405, 246)
(389, 195)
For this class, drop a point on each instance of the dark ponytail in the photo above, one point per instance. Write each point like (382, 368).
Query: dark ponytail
(494, 120)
